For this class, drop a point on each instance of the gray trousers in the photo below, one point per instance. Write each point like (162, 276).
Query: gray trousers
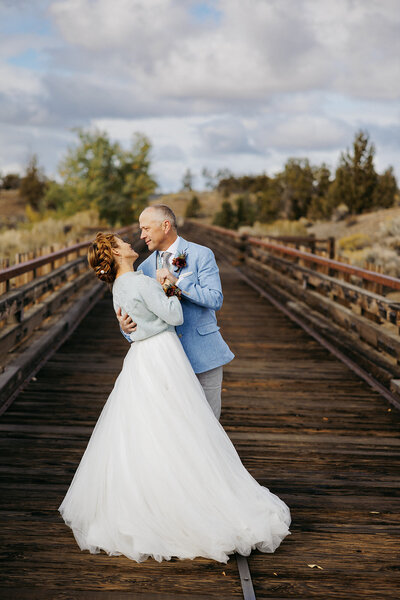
(211, 382)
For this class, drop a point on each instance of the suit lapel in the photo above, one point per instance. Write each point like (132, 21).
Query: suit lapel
(182, 249)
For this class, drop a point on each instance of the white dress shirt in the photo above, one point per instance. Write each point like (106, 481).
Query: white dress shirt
(173, 249)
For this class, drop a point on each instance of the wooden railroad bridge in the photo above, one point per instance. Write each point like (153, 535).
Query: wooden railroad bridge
(310, 402)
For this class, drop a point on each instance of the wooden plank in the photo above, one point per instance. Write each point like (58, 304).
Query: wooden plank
(25, 365)
(304, 425)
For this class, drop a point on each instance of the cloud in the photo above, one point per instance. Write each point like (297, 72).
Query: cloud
(225, 136)
(255, 49)
(222, 82)
(307, 132)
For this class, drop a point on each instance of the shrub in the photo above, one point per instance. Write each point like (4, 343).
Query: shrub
(356, 241)
(193, 207)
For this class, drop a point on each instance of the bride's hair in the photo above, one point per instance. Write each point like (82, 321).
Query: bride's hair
(101, 258)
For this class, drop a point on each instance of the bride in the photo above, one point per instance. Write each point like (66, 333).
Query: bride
(160, 477)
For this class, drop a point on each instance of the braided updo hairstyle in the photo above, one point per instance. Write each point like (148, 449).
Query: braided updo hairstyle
(101, 257)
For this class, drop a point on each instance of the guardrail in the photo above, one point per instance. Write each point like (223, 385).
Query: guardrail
(315, 245)
(54, 302)
(349, 304)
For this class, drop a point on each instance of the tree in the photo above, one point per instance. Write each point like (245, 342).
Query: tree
(229, 184)
(297, 183)
(386, 189)
(100, 174)
(193, 207)
(269, 201)
(226, 216)
(245, 214)
(10, 181)
(33, 184)
(58, 198)
(187, 181)
(320, 207)
(356, 179)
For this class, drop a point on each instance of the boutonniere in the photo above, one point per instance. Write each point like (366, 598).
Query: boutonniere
(179, 262)
(172, 290)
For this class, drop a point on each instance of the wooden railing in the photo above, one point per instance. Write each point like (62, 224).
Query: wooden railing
(351, 305)
(315, 245)
(59, 289)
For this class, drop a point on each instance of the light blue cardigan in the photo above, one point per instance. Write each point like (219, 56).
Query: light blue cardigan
(144, 300)
(201, 298)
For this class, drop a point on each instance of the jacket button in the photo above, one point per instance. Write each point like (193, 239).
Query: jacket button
(179, 335)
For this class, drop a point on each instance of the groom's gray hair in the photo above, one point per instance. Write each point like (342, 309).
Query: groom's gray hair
(165, 213)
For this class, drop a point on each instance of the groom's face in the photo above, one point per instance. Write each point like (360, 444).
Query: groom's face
(153, 232)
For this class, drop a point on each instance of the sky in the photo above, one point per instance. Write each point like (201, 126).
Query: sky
(237, 84)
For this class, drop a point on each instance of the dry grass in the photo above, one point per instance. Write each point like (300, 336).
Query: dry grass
(356, 241)
(279, 227)
(368, 224)
(371, 240)
(12, 208)
(210, 203)
(50, 231)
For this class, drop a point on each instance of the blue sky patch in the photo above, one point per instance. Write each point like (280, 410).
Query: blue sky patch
(30, 59)
(204, 12)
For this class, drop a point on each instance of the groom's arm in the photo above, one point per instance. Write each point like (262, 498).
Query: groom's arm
(205, 289)
(126, 325)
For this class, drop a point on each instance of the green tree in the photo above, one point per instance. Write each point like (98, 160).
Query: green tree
(33, 184)
(320, 207)
(58, 197)
(245, 213)
(226, 216)
(386, 189)
(10, 181)
(297, 183)
(268, 200)
(100, 174)
(356, 179)
(193, 208)
(229, 184)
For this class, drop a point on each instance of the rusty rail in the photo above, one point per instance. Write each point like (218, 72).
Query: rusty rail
(37, 316)
(348, 304)
(31, 265)
(365, 274)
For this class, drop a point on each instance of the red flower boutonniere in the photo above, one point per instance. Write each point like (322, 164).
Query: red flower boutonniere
(179, 262)
(172, 290)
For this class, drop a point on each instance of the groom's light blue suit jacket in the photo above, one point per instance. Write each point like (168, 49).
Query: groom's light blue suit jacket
(201, 297)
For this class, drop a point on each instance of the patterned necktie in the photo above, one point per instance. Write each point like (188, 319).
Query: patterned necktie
(165, 260)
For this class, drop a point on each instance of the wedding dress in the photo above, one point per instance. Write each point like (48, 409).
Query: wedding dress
(160, 477)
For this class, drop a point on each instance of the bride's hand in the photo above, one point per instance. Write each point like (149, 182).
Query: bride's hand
(164, 274)
(126, 323)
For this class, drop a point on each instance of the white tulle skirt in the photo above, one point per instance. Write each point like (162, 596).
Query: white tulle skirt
(160, 477)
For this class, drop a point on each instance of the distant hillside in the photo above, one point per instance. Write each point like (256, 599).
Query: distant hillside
(210, 203)
(370, 224)
(12, 208)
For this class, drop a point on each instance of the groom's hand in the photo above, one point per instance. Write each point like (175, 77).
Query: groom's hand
(164, 274)
(126, 323)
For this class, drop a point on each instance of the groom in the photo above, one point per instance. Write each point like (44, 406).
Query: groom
(200, 284)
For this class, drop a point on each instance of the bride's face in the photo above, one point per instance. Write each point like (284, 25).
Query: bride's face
(125, 250)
